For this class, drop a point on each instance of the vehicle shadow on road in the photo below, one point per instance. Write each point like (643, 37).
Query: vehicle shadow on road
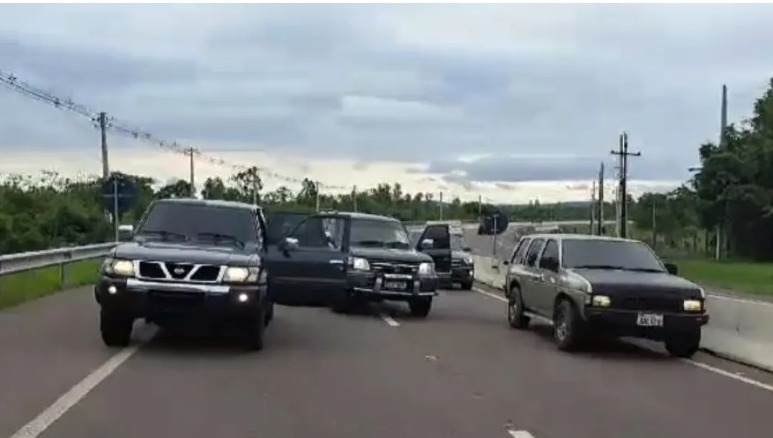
(198, 342)
(607, 347)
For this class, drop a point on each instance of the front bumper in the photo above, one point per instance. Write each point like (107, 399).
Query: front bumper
(155, 299)
(625, 322)
(463, 273)
(376, 286)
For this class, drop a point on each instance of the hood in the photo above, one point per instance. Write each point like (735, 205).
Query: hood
(391, 254)
(612, 282)
(191, 252)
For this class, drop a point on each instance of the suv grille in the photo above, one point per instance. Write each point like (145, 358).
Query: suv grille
(178, 271)
(386, 267)
(653, 304)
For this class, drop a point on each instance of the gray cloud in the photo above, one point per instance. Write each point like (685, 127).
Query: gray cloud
(397, 83)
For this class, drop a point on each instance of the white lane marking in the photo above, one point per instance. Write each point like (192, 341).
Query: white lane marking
(701, 365)
(389, 320)
(520, 434)
(722, 372)
(489, 294)
(739, 300)
(74, 395)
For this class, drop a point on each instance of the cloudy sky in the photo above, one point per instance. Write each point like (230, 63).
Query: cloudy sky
(510, 102)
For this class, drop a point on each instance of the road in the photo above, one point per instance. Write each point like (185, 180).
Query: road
(380, 374)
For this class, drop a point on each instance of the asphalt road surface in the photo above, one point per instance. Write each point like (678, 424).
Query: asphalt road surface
(460, 373)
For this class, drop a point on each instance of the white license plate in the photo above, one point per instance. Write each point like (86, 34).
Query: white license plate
(395, 285)
(650, 320)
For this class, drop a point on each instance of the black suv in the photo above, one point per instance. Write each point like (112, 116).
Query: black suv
(340, 259)
(188, 261)
(592, 285)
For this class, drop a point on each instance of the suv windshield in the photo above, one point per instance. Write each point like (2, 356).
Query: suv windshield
(182, 221)
(374, 232)
(609, 254)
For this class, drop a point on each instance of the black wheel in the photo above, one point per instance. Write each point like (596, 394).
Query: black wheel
(420, 307)
(683, 345)
(515, 316)
(254, 330)
(343, 305)
(567, 326)
(467, 285)
(116, 328)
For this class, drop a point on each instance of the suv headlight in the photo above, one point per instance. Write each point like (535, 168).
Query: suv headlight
(693, 306)
(427, 268)
(359, 264)
(468, 260)
(118, 267)
(240, 274)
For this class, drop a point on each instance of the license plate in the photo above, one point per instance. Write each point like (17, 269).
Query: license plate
(395, 285)
(650, 320)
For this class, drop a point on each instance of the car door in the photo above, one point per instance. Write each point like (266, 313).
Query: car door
(311, 272)
(514, 264)
(547, 284)
(530, 276)
(441, 246)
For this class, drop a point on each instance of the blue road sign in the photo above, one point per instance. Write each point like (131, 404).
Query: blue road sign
(124, 188)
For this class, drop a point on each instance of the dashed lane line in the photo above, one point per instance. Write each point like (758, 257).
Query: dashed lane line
(389, 320)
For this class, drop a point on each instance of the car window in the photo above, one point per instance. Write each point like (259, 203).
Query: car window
(378, 233)
(609, 254)
(320, 232)
(520, 251)
(439, 234)
(280, 224)
(194, 220)
(550, 252)
(534, 250)
(457, 242)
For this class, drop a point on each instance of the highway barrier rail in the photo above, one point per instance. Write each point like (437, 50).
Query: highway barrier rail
(739, 329)
(61, 257)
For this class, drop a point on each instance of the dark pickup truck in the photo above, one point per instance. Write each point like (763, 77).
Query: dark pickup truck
(450, 253)
(189, 261)
(340, 259)
(591, 285)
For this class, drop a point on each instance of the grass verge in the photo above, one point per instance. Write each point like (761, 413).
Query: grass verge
(25, 286)
(743, 277)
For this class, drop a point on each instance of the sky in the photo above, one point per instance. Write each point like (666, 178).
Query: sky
(507, 102)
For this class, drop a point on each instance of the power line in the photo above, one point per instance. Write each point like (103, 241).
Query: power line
(110, 123)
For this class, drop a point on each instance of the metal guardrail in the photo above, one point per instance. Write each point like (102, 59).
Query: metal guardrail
(27, 261)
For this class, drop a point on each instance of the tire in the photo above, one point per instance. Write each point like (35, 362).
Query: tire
(343, 305)
(254, 330)
(270, 313)
(116, 328)
(567, 326)
(515, 317)
(467, 285)
(420, 307)
(683, 345)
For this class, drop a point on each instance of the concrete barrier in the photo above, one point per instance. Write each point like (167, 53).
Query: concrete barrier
(739, 329)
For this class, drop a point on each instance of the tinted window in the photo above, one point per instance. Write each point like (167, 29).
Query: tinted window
(374, 232)
(191, 220)
(551, 251)
(457, 242)
(438, 233)
(609, 254)
(520, 251)
(319, 232)
(534, 249)
(281, 224)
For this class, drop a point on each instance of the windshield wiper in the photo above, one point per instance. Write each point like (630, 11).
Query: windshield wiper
(368, 243)
(220, 236)
(599, 267)
(645, 270)
(164, 234)
(397, 244)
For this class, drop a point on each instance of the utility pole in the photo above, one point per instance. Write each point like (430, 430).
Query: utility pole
(354, 198)
(654, 226)
(317, 192)
(600, 229)
(441, 205)
(721, 235)
(624, 154)
(593, 209)
(193, 172)
(102, 119)
(480, 207)
(255, 186)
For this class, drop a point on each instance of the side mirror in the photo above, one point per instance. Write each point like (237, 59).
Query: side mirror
(427, 244)
(289, 244)
(672, 268)
(505, 262)
(125, 233)
(467, 249)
